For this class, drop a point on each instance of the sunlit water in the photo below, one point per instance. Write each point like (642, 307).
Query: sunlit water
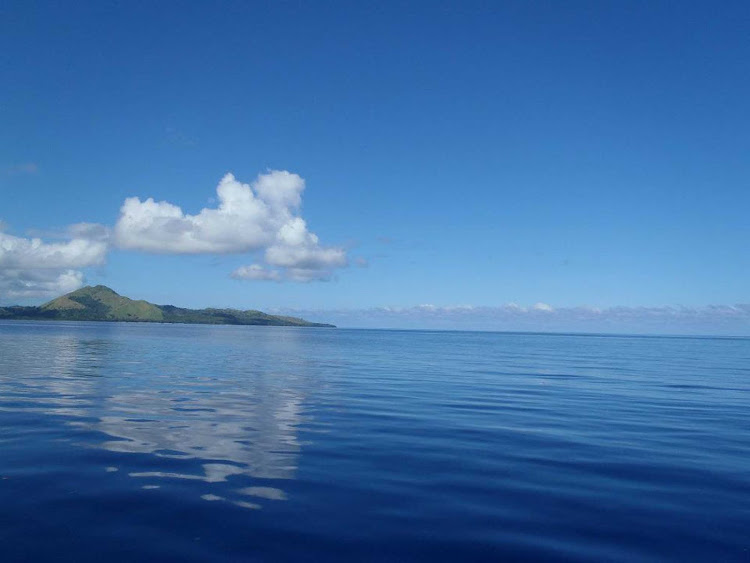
(138, 442)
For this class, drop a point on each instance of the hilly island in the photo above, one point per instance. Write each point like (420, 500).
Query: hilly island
(100, 303)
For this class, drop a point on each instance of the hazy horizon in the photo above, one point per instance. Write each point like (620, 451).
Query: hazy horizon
(541, 317)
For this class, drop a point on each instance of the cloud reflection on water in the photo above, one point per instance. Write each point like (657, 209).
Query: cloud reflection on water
(212, 410)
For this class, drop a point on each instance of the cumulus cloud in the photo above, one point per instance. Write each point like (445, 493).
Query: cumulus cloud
(38, 283)
(30, 267)
(296, 247)
(33, 253)
(262, 216)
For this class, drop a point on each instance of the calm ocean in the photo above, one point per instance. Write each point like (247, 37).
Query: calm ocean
(140, 442)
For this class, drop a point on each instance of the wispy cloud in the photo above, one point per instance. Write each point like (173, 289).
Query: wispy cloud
(21, 169)
(256, 272)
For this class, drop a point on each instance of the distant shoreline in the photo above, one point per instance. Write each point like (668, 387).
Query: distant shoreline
(102, 304)
(133, 321)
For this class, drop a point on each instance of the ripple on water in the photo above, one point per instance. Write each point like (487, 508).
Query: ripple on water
(211, 443)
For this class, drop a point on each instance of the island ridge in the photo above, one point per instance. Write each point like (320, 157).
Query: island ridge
(100, 303)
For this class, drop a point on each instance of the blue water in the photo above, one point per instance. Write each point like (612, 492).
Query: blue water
(139, 442)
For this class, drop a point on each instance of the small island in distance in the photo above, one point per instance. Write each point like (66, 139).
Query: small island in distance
(100, 303)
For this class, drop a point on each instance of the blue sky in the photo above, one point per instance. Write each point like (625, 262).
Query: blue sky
(483, 153)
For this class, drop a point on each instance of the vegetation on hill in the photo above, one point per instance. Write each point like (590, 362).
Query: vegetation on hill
(100, 303)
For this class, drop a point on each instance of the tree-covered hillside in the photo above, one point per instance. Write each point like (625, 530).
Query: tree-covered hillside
(100, 303)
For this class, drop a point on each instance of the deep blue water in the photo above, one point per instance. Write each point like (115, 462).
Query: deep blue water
(138, 442)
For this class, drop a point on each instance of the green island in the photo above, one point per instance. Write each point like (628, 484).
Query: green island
(100, 303)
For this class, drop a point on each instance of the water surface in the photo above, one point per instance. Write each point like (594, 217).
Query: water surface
(136, 442)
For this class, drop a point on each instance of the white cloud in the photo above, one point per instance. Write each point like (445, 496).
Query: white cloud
(308, 274)
(38, 283)
(89, 231)
(30, 267)
(296, 247)
(256, 272)
(33, 253)
(262, 216)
